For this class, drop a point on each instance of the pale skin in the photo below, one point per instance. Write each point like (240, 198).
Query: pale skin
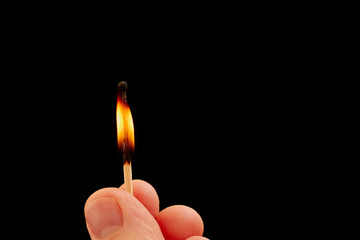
(114, 214)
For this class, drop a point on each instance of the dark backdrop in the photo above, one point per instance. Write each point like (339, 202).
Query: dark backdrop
(217, 124)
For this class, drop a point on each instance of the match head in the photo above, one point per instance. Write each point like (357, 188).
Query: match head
(122, 86)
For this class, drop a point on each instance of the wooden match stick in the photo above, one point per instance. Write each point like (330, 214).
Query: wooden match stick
(127, 171)
(126, 146)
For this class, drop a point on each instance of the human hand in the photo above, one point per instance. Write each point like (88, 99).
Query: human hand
(114, 214)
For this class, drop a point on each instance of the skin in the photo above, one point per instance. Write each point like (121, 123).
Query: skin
(138, 217)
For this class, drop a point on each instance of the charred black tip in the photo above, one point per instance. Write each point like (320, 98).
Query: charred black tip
(122, 86)
(122, 90)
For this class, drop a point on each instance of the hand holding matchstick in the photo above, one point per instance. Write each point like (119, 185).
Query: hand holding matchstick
(111, 213)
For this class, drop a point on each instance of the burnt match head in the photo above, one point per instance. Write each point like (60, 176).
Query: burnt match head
(122, 90)
(122, 86)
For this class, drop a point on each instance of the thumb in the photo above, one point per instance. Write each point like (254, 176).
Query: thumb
(113, 214)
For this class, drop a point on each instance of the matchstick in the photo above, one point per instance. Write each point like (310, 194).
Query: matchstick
(125, 131)
(128, 176)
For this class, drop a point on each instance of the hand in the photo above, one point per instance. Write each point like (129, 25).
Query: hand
(114, 214)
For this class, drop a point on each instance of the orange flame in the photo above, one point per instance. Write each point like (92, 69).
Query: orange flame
(125, 125)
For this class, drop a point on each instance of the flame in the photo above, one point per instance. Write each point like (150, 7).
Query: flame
(125, 125)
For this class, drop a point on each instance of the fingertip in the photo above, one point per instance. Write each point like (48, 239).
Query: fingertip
(197, 238)
(180, 222)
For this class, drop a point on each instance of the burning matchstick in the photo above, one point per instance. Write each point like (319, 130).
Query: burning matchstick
(125, 133)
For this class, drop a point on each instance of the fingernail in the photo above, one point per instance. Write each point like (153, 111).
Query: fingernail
(103, 216)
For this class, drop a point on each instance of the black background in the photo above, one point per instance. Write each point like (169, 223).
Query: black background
(216, 121)
(213, 138)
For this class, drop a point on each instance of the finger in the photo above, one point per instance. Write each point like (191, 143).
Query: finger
(180, 222)
(112, 213)
(146, 194)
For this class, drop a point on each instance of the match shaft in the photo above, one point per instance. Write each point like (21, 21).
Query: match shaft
(128, 177)
(127, 167)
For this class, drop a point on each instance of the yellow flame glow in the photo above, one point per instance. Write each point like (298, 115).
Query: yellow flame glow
(125, 125)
